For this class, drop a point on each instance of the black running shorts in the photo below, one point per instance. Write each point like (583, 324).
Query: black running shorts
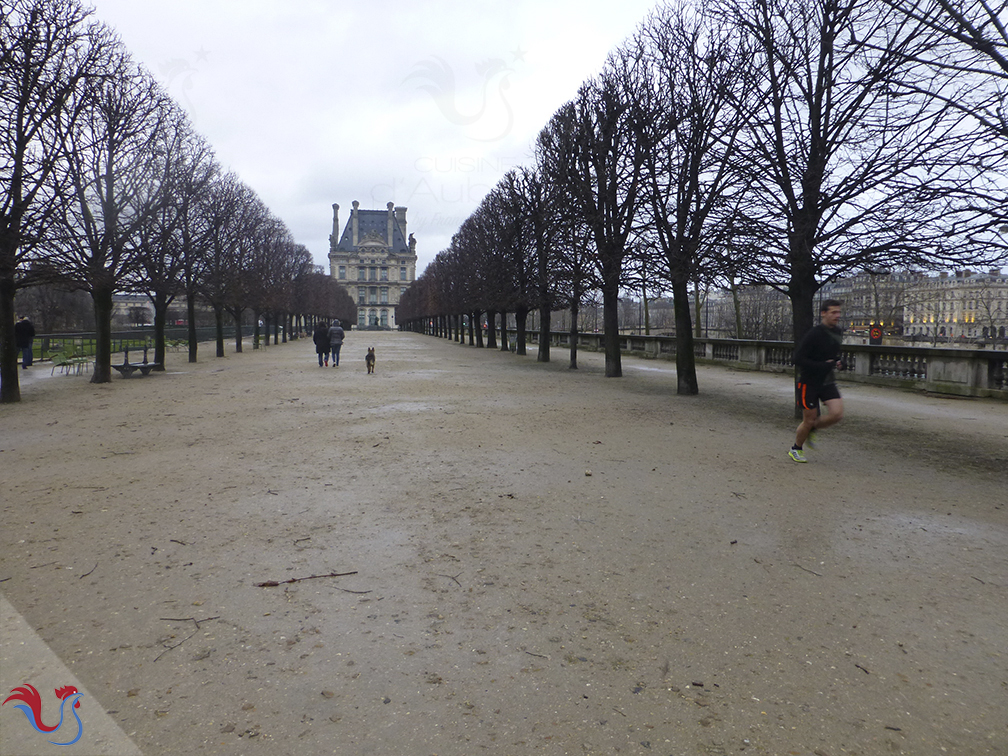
(810, 394)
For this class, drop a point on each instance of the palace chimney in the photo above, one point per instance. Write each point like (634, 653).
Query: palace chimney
(355, 223)
(400, 216)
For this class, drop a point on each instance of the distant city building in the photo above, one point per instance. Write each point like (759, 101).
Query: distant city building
(965, 306)
(873, 298)
(374, 260)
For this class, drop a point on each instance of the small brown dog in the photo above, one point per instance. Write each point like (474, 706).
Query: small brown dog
(370, 360)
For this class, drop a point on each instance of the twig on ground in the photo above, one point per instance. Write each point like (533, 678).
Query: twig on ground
(36, 566)
(863, 669)
(298, 540)
(176, 645)
(275, 583)
(450, 577)
(347, 590)
(819, 574)
(81, 577)
(187, 619)
(540, 656)
(175, 540)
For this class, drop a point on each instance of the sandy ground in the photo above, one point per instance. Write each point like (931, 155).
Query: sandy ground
(544, 561)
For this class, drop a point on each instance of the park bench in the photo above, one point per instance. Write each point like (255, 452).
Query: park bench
(127, 369)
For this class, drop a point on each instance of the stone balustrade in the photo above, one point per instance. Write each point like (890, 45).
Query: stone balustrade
(963, 372)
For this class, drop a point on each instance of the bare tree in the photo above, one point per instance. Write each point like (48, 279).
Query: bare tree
(160, 242)
(47, 51)
(694, 102)
(847, 164)
(604, 178)
(110, 168)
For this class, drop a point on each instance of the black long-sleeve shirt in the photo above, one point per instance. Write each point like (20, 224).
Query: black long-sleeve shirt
(813, 355)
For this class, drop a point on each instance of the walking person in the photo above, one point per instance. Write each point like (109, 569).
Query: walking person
(321, 338)
(24, 335)
(818, 357)
(335, 341)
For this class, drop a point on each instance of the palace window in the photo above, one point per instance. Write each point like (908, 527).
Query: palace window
(402, 273)
(374, 274)
(384, 295)
(342, 271)
(360, 295)
(373, 295)
(384, 274)
(361, 274)
(384, 318)
(361, 318)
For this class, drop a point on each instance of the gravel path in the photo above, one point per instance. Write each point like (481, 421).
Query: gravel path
(544, 561)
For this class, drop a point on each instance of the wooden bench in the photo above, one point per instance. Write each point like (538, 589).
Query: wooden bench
(144, 368)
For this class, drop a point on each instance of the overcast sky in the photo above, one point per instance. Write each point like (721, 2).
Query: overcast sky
(425, 104)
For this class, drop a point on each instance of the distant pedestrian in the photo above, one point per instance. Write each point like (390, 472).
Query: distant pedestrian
(818, 357)
(321, 338)
(24, 334)
(335, 341)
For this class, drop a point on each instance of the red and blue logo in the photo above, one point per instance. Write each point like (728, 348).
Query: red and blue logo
(32, 708)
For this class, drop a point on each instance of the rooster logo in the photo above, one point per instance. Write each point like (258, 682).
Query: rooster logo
(440, 78)
(32, 708)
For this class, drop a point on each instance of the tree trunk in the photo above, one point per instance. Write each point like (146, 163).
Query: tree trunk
(10, 387)
(255, 329)
(686, 378)
(102, 299)
(696, 304)
(160, 317)
(219, 322)
(191, 317)
(472, 329)
(505, 347)
(276, 330)
(610, 327)
(491, 329)
(801, 291)
(545, 325)
(286, 327)
(738, 308)
(575, 311)
(521, 319)
(237, 315)
(477, 317)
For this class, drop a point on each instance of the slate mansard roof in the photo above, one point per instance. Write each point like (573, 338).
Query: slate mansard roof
(372, 224)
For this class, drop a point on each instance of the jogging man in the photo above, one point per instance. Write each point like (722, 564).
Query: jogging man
(817, 357)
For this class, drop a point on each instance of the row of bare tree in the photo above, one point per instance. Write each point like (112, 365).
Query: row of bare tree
(105, 187)
(774, 142)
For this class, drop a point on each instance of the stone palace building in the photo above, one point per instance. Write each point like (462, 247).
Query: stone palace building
(374, 260)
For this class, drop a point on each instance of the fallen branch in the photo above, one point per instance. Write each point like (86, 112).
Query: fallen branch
(188, 619)
(88, 573)
(274, 583)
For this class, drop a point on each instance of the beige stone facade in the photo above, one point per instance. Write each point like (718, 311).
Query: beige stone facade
(374, 260)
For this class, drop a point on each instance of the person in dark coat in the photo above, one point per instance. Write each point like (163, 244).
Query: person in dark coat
(24, 334)
(321, 338)
(335, 341)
